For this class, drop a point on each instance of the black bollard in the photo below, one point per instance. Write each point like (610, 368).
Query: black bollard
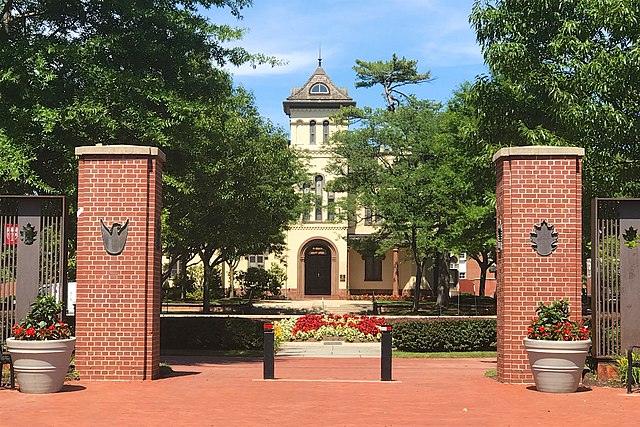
(268, 364)
(385, 354)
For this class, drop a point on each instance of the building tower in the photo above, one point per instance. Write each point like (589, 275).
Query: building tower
(317, 246)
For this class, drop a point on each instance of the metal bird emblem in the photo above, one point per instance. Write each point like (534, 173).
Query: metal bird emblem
(115, 238)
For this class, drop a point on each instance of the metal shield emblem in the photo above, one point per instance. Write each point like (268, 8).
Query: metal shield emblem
(114, 238)
(544, 239)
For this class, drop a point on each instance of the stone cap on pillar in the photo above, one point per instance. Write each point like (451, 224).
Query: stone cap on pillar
(538, 150)
(121, 150)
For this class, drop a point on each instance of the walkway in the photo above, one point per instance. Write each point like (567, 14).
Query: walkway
(330, 349)
(318, 392)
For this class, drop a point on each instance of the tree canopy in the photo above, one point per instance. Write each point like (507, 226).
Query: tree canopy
(565, 73)
(85, 72)
(392, 75)
(401, 164)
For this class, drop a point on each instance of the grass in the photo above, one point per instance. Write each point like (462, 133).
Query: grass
(443, 355)
(491, 373)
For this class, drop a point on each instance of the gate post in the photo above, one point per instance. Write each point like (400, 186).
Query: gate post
(535, 184)
(268, 361)
(118, 287)
(385, 353)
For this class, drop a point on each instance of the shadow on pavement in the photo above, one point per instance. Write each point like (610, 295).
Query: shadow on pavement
(208, 360)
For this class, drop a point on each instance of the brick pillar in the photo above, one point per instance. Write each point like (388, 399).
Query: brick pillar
(535, 184)
(118, 296)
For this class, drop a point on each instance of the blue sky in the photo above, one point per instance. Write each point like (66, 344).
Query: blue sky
(436, 33)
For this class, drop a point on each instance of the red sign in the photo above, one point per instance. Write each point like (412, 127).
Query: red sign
(11, 234)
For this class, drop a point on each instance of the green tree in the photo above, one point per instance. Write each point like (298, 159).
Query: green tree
(145, 73)
(392, 75)
(398, 163)
(234, 197)
(402, 167)
(119, 72)
(475, 225)
(565, 73)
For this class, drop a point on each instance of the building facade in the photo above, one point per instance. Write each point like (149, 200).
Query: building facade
(318, 260)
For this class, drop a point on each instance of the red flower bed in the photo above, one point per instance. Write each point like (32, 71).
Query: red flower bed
(312, 322)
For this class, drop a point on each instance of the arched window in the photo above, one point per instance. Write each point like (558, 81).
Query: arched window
(306, 216)
(319, 88)
(325, 131)
(319, 181)
(312, 132)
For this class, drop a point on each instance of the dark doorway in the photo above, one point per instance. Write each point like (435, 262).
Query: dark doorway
(317, 269)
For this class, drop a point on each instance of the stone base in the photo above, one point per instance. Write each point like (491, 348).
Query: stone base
(607, 371)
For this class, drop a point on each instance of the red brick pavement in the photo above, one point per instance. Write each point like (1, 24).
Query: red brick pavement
(318, 392)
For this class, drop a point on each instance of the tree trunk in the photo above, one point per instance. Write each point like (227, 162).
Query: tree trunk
(441, 285)
(483, 262)
(417, 286)
(206, 304)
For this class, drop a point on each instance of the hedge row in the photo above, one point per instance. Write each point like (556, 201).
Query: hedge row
(228, 333)
(210, 333)
(445, 335)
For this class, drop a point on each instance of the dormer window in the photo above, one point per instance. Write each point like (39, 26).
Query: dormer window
(319, 88)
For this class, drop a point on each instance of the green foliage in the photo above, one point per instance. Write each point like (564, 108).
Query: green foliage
(146, 73)
(42, 321)
(564, 73)
(623, 368)
(404, 168)
(445, 335)
(213, 333)
(552, 323)
(392, 75)
(277, 278)
(256, 282)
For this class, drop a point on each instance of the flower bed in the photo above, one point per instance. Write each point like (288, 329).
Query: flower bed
(317, 327)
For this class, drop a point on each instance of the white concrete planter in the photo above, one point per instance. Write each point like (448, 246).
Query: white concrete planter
(557, 365)
(40, 366)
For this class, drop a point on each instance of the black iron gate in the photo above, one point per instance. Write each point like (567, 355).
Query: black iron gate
(615, 255)
(34, 254)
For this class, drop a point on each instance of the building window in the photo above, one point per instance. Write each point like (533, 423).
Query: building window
(372, 269)
(325, 131)
(306, 216)
(319, 181)
(312, 132)
(370, 218)
(319, 88)
(256, 261)
(462, 275)
(331, 208)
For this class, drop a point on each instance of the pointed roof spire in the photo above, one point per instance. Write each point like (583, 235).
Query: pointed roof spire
(320, 54)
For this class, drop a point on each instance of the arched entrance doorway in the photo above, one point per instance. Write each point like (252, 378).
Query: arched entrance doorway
(317, 268)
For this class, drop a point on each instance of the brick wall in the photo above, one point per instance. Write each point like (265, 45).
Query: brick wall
(535, 184)
(118, 297)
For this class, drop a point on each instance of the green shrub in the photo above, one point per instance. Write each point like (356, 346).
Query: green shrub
(623, 366)
(256, 282)
(445, 335)
(210, 333)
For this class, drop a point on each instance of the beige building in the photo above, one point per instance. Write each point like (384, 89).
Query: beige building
(318, 260)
